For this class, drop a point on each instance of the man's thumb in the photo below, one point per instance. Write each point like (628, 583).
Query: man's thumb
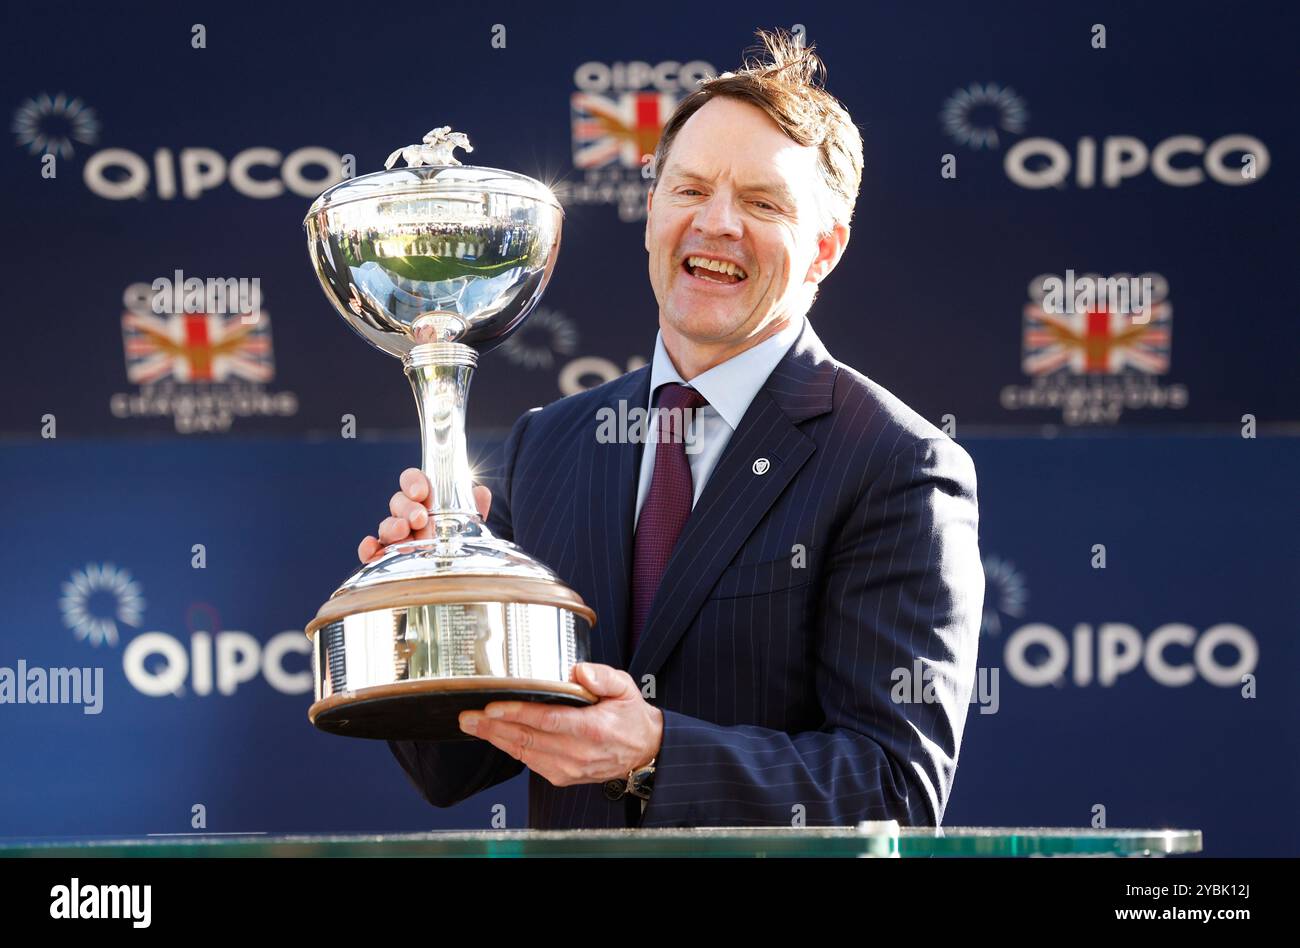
(482, 500)
(602, 680)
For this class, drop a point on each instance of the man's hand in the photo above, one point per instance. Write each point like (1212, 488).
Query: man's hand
(567, 746)
(410, 518)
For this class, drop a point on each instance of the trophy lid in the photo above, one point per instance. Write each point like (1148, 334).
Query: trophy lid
(432, 168)
(426, 180)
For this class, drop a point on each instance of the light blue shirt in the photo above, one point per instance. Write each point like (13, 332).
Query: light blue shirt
(729, 388)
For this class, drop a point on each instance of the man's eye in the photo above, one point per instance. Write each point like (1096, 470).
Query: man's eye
(689, 191)
(765, 205)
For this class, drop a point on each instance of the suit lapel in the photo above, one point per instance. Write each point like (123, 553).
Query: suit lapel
(739, 493)
(605, 506)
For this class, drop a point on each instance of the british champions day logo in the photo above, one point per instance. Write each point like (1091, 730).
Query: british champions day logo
(200, 352)
(617, 114)
(1096, 346)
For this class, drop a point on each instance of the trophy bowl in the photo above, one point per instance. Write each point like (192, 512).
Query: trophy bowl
(436, 263)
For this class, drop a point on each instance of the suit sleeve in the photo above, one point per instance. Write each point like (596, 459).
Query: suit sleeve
(902, 596)
(447, 772)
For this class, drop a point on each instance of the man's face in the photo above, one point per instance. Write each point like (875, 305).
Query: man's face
(736, 189)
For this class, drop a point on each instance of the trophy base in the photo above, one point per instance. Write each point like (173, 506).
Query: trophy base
(436, 627)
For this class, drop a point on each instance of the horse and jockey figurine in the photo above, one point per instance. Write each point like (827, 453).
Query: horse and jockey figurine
(436, 150)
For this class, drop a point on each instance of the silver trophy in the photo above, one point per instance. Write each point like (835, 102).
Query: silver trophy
(436, 263)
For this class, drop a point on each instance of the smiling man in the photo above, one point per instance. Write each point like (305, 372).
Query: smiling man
(761, 596)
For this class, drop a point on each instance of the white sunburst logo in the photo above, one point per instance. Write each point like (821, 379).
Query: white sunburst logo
(97, 598)
(46, 125)
(1005, 593)
(973, 116)
(544, 334)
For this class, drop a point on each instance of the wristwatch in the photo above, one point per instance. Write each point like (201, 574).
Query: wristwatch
(639, 783)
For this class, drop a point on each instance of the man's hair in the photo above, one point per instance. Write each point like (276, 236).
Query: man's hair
(787, 88)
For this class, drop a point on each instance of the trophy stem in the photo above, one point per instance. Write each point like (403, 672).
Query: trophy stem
(440, 375)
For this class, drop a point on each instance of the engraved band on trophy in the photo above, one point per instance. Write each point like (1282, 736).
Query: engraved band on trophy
(436, 263)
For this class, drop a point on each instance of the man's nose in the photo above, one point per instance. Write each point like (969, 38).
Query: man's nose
(718, 217)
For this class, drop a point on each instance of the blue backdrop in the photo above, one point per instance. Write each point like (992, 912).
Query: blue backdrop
(127, 437)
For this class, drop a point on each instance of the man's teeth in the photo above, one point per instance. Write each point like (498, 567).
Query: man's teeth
(720, 266)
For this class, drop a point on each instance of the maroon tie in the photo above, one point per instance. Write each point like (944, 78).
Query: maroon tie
(667, 503)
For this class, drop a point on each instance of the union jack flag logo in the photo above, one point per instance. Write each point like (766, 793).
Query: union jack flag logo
(621, 129)
(1097, 342)
(197, 347)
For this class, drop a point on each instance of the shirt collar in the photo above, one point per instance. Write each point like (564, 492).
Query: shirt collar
(731, 385)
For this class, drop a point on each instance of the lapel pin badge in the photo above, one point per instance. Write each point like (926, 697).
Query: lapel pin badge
(762, 465)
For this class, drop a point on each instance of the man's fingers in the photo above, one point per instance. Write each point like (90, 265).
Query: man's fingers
(415, 492)
(515, 739)
(399, 505)
(482, 500)
(368, 548)
(544, 718)
(394, 529)
(410, 518)
(414, 484)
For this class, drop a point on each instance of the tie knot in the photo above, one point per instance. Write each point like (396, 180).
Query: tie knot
(673, 395)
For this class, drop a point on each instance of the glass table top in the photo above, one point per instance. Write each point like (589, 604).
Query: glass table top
(866, 839)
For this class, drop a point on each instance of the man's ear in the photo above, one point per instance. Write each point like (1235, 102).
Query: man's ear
(649, 203)
(829, 250)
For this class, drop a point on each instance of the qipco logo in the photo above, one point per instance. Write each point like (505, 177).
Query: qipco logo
(667, 76)
(1173, 655)
(262, 173)
(1181, 161)
(158, 664)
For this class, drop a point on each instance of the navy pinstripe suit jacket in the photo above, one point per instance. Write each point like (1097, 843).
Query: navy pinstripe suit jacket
(794, 604)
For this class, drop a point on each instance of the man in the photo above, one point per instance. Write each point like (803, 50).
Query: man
(791, 543)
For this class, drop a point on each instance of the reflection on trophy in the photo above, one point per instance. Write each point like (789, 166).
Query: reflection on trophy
(436, 263)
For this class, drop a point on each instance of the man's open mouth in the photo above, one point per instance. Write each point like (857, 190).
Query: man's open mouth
(714, 271)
